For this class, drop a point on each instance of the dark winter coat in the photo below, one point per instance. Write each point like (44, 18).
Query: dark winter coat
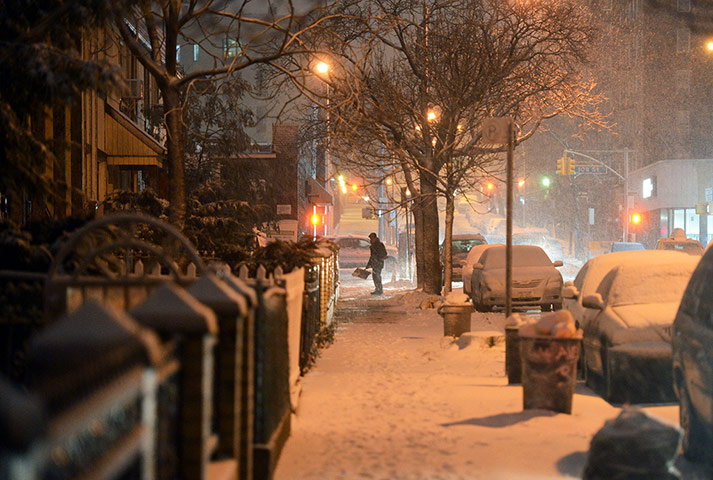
(377, 255)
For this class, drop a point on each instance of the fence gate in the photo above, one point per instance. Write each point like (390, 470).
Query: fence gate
(118, 259)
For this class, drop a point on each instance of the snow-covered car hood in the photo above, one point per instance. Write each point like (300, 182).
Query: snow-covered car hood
(643, 322)
(523, 273)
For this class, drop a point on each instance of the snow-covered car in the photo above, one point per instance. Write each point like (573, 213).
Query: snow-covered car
(535, 280)
(591, 274)
(550, 245)
(625, 247)
(688, 245)
(692, 345)
(354, 251)
(460, 246)
(467, 265)
(627, 333)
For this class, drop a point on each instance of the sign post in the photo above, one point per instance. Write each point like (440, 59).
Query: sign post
(500, 130)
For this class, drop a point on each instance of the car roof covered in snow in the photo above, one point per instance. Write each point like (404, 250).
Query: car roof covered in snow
(637, 283)
(598, 267)
(522, 256)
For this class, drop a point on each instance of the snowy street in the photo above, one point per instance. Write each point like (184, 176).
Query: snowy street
(392, 398)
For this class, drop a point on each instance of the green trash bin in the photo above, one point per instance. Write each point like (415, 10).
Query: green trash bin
(549, 372)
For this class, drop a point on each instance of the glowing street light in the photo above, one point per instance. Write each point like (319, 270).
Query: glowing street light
(431, 116)
(322, 68)
(355, 187)
(709, 46)
(389, 181)
(521, 183)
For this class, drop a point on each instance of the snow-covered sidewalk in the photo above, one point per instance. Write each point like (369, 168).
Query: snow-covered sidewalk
(394, 399)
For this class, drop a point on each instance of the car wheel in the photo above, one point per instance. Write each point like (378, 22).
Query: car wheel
(696, 440)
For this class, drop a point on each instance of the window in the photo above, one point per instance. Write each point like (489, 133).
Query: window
(693, 227)
(231, 48)
(195, 52)
(683, 40)
(606, 5)
(178, 53)
(679, 218)
(684, 6)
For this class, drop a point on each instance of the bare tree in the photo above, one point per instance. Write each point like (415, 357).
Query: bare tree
(439, 68)
(238, 34)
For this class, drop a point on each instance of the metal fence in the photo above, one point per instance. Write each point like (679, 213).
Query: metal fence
(167, 369)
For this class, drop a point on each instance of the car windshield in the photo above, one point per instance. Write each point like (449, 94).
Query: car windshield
(464, 246)
(626, 247)
(687, 247)
(643, 284)
(522, 256)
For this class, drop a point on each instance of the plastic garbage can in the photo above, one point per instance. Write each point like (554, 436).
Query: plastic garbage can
(549, 372)
(456, 319)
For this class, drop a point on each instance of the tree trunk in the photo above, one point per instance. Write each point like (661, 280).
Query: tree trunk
(447, 245)
(429, 209)
(418, 241)
(174, 156)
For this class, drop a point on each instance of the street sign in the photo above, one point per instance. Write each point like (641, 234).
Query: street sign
(591, 216)
(595, 169)
(495, 130)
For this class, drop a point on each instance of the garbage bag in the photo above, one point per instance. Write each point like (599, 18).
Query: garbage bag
(634, 446)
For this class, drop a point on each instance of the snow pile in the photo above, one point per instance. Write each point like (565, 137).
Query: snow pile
(559, 324)
(456, 298)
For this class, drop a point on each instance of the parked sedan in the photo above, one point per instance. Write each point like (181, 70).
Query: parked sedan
(461, 244)
(467, 264)
(627, 337)
(535, 281)
(354, 251)
(692, 344)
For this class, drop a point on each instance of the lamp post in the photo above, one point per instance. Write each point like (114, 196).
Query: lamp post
(322, 68)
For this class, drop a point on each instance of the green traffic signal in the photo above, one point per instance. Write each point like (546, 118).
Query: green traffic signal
(545, 181)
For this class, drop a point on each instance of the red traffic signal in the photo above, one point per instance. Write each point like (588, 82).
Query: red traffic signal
(636, 219)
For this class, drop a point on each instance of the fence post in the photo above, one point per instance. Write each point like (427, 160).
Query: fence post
(95, 366)
(247, 386)
(172, 311)
(231, 310)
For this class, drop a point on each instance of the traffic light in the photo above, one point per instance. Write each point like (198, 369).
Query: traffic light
(545, 181)
(571, 167)
(560, 166)
(315, 219)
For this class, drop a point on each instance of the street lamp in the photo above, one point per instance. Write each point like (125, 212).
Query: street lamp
(322, 68)
(709, 46)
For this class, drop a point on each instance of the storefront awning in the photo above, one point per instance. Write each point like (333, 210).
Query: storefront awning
(126, 144)
(317, 194)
